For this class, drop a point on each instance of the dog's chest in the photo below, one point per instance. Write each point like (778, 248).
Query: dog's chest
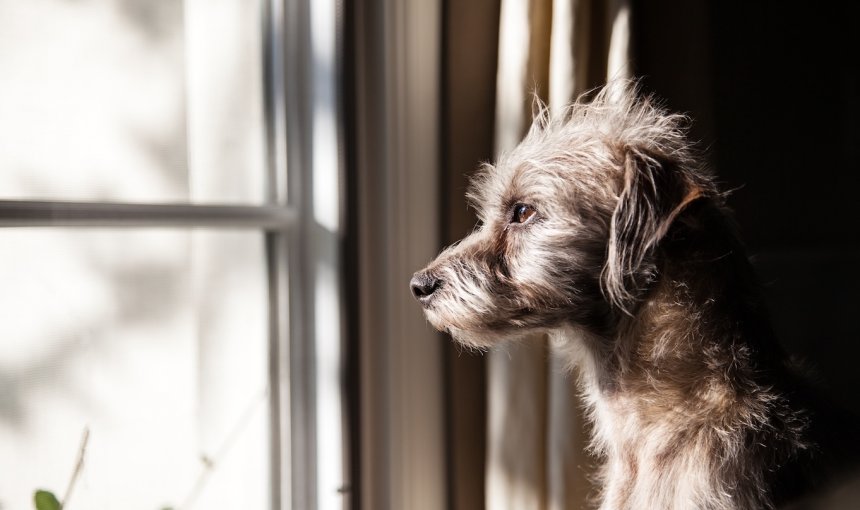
(648, 464)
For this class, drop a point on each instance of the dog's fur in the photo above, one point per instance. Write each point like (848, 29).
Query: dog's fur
(632, 259)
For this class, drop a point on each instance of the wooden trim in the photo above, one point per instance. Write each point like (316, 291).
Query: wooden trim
(397, 104)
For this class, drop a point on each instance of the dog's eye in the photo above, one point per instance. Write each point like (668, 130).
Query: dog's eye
(522, 213)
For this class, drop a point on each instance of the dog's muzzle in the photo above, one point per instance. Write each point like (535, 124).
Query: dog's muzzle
(424, 287)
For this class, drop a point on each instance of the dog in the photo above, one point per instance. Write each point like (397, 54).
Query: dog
(603, 230)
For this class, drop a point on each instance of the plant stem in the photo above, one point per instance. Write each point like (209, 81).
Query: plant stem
(79, 466)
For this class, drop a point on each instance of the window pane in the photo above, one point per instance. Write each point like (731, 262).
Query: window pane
(154, 340)
(131, 100)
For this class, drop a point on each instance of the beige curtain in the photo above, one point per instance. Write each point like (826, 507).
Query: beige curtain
(557, 49)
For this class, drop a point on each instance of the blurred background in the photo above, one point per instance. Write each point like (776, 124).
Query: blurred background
(210, 211)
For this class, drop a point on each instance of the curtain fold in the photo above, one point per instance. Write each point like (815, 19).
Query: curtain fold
(557, 50)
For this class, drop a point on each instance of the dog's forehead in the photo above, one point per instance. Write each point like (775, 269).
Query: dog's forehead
(554, 171)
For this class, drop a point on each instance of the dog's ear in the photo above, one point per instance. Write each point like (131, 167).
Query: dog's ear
(655, 191)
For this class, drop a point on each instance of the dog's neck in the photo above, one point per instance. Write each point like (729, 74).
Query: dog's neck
(682, 387)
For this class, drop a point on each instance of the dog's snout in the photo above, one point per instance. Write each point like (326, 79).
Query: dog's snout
(423, 286)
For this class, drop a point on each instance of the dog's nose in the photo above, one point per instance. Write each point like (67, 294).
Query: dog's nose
(423, 286)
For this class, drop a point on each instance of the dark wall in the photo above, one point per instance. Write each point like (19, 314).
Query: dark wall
(774, 88)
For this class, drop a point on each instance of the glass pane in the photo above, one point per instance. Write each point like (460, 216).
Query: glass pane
(155, 341)
(131, 100)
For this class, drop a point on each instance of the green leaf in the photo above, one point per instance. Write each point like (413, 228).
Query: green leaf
(45, 500)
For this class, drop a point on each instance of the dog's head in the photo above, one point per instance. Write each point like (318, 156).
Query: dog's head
(569, 222)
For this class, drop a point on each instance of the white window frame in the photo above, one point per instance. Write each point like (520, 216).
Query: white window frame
(293, 243)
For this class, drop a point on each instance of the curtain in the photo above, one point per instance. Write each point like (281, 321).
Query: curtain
(556, 49)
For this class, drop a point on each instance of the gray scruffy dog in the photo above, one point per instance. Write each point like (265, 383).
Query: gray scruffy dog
(602, 230)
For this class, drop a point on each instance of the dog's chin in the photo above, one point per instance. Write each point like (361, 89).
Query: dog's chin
(484, 340)
(475, 335)
(478, 340)
(472, 331)
(471, 335)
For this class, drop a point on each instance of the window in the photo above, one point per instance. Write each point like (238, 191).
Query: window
(169, 254)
